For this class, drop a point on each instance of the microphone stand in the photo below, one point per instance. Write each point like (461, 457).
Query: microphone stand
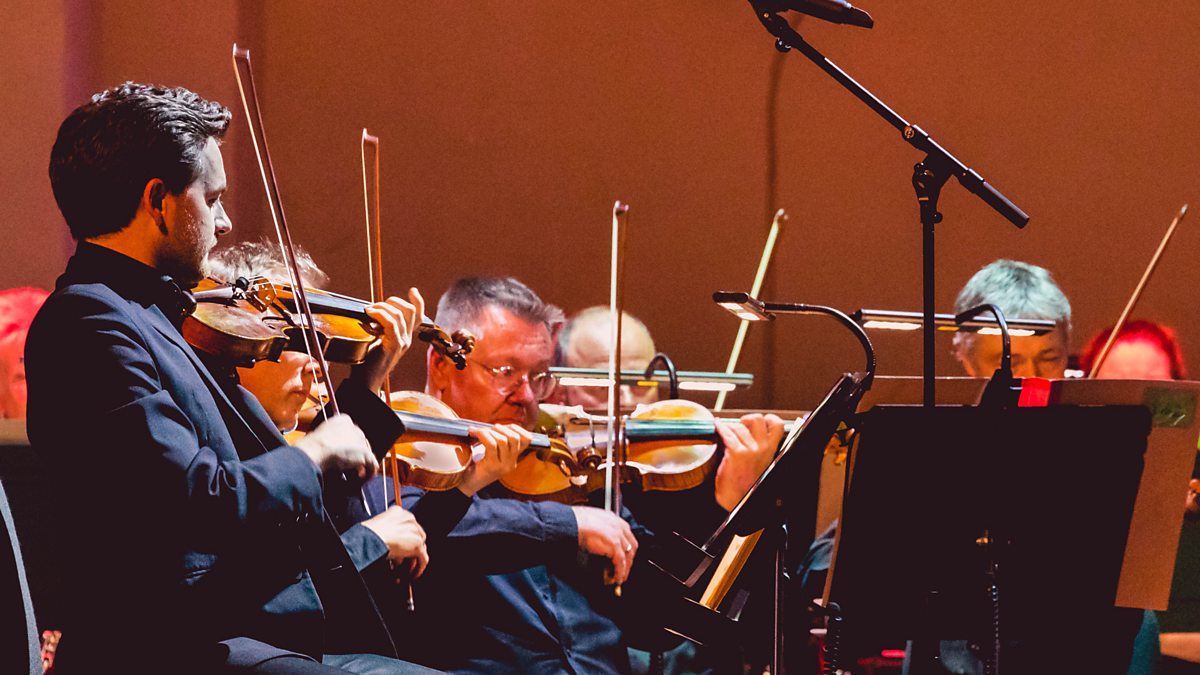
(929, 175)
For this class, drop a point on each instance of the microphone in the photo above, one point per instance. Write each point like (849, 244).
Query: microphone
(834, 11)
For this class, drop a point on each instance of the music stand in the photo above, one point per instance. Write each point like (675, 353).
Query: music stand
(1051, 492)
(1169, 460)
(766, 506)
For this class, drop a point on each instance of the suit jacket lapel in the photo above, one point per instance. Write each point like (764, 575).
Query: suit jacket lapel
(229, 411)
(343, 586)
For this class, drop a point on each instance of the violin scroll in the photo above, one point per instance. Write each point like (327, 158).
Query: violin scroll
(455, 346)
(559, 455)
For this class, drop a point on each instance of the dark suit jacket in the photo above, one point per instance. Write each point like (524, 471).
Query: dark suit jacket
(187, 526)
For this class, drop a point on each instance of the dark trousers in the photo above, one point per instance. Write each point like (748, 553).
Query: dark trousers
(363, 664)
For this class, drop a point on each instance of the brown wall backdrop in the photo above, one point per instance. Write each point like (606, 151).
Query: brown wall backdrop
(508, 129)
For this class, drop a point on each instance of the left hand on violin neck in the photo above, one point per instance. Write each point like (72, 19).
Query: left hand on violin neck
(397, 320)
(749, 448)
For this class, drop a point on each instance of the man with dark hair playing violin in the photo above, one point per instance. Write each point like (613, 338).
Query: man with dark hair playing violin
(533, 607)
(192, 524)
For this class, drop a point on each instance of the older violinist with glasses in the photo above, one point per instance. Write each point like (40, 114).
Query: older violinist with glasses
(507, 379)
(512, 581)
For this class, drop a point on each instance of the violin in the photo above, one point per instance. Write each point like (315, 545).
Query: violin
(435, 450)
(657, 454)
(252, 320)
(667, 445)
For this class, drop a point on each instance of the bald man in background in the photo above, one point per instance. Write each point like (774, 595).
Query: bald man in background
(584, 343)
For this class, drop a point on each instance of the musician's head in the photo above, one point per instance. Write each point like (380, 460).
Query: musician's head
(584, 342)
(138, 169)
(507, 375)
(17, 309)
(1144, 350)
(263, 258)
(281, 386)
(1021, 291)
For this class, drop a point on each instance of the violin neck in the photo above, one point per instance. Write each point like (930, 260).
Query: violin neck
(678, 430)
(324, 302)
(454, 429)
(331, 303)
(670, 430)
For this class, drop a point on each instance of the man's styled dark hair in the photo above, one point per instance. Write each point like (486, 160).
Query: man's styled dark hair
(107, 150)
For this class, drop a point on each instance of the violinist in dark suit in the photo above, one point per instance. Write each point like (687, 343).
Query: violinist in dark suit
(192, 537)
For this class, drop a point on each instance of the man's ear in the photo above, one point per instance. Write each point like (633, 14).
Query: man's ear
(438, 378)
(153, 196)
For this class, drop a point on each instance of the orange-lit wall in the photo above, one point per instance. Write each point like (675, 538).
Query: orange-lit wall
(508, 129)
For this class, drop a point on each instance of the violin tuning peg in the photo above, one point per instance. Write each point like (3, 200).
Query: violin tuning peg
(465, 339)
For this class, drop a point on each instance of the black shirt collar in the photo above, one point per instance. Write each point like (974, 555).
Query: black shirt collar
(130, 278)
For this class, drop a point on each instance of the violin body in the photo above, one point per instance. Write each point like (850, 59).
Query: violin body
(539, 480)
(427, 460)
(256, 321)
(669, 445)
(345, 337)
(230, 324)
(437, 448)
(658, 456)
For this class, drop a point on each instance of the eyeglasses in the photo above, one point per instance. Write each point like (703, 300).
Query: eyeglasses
(508, 379)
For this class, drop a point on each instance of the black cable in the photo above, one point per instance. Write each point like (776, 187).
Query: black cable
(1005, 338)
(842, 318)
(1003, 390)
(672, 373)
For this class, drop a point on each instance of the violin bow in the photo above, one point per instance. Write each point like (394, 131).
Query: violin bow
(312, 341)
(764, 262)
(1137, 293)
(616, 306)
(371, 191)
(369, 147)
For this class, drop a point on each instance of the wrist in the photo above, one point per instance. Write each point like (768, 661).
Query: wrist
(314, 454)
(470, 484)
(363, 374)
(726, 499)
